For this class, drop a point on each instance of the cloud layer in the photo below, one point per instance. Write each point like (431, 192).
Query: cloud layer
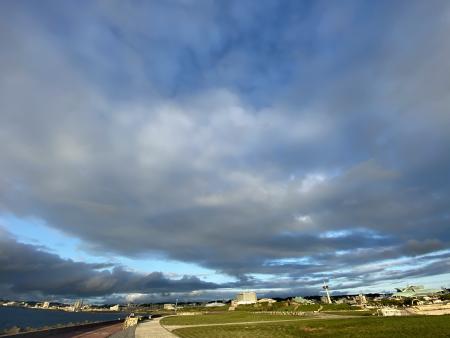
(289, 139)
(28, 270)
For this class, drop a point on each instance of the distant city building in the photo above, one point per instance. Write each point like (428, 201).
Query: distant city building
(345, 300)
(46, 305)
(361, 299)
(169, 307)
(267, 300)
(302, 300)
(77, 306)
(248, 297)
(11, 303)
(213, 304)
(414, 291)
(325, 299)
(392, 312)
(115, 307)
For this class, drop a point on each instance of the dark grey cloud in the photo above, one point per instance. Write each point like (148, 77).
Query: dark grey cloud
(28, 270)
(230, 135)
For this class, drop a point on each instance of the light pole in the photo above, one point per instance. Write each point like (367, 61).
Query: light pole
(325, 287)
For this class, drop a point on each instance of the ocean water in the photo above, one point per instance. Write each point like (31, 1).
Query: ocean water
(24, 317)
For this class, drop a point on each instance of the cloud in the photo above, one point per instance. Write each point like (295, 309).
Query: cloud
(229, 140)
(27, 269)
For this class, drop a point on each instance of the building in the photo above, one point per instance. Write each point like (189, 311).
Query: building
(345, 300)
(325, 300)
(169, 307)
(11, 303)
(267, 300)
(302, 300)
(115, 307)
(361, 299)
(214, 304)
(415, 291)
(248, 297)
(46, 305)
(77, 306)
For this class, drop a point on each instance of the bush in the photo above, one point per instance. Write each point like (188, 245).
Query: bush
(337, 307)
(392, 302)
(445, 296)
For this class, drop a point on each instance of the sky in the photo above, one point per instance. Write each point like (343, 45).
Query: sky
(152, 150)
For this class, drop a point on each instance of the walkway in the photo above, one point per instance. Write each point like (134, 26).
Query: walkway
(152, 329)
(127, 333)
(102, 332)
(95, 330)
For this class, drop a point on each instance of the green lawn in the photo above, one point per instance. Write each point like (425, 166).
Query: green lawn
(227, 317)
(373, 327)
(204, 309)
(285, 306)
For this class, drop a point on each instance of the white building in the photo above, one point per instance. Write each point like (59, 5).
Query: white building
(169, 307)
(361, 299)
(46, 305)
(115, 307)
(325, 299)
(77, 306)
(11, 303)
(214, 304)
(248, 297)
(267, 300)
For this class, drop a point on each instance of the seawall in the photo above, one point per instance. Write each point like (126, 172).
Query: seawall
(62, 330)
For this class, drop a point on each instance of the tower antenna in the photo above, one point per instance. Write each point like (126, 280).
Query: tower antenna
(326, 288)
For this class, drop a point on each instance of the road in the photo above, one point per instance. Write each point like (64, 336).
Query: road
(99, 331)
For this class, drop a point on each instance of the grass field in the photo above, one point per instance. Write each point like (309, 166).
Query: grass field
(219, 318)
(373, 327)
(285, 306)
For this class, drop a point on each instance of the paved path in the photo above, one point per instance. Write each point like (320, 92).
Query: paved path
(99, 331)
(102, 332)
(127, 333)
(152, 329)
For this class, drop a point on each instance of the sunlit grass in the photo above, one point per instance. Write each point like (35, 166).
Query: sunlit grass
(228, 317)
(373, 327)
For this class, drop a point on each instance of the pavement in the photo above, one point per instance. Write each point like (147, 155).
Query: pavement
(127, 333)
(100, 331)
(152, 329)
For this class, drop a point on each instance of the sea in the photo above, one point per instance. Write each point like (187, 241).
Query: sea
(37, 318)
